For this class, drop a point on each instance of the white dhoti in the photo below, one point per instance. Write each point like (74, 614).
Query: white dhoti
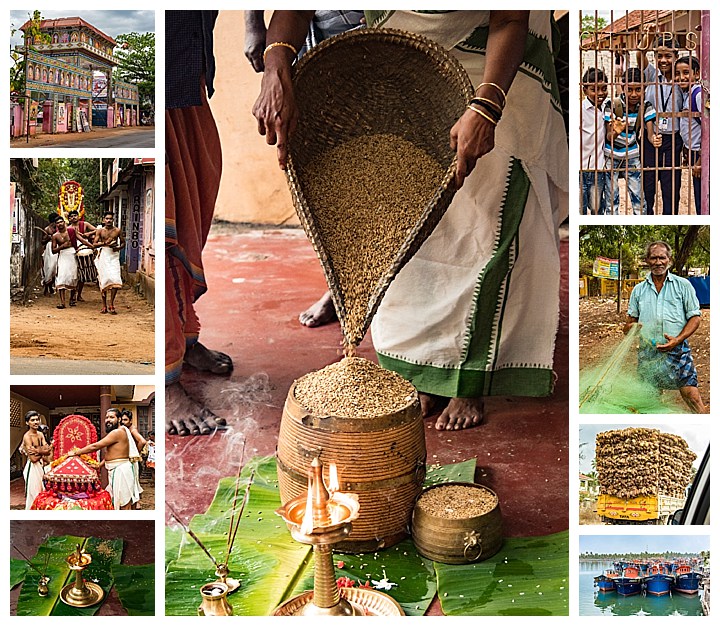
(108, 269)
(485, 319)
(33, 475)
(50, 263)
(121, 482)
(66, 277)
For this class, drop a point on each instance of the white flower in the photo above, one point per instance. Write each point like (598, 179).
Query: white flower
(383, 584)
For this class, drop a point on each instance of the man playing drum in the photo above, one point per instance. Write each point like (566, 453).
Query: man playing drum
(86, 269)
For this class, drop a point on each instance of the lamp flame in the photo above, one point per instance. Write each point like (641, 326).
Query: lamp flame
(333, 480)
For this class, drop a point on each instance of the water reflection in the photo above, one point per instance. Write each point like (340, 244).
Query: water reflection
(593, 602)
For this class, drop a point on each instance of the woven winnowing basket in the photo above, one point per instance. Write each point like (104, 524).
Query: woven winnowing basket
(369, 82)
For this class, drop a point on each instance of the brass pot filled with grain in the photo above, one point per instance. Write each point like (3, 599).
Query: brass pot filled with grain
(457, 523)
(367, 421)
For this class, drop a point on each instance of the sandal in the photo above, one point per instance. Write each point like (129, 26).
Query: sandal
(112, 310)
(103, 310)
(60, 306)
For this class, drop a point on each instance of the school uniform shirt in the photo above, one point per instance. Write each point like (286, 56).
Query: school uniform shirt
(691, 127)
(665, 97)
(625, 145)
(592, 136)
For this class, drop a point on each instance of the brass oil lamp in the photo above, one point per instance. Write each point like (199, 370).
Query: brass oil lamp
(323, 518)
(81, 593)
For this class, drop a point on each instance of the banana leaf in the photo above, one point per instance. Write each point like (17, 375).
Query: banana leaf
(527, 577)
(463, 472)
(18, 569)
(104, 554)
(412, 575)
(264, 556)
(135, 586)
(273, 567)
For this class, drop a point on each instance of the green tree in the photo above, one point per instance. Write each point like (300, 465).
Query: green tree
(17, 55)
(590, 24)
(136, 64)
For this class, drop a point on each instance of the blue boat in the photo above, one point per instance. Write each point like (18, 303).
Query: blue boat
(687, 580)
(658, 581)
(606, 582)
(629, 582)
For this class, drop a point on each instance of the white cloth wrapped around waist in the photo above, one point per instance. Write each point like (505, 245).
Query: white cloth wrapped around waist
(67, 274)
(122, 485)
(108, 268)
(50, 263)
(33, 475)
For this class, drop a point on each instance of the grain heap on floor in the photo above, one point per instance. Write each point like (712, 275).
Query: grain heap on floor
(635, 462)
(366, 195)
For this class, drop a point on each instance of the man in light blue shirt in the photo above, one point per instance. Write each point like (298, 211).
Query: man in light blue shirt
(668, 312)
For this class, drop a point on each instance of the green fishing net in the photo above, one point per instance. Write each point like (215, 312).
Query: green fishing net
(614, 385)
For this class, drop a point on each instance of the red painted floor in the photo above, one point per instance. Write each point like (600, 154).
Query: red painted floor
(259, 281)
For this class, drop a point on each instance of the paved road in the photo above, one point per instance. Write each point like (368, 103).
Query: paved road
(136, 137)
(28, 365)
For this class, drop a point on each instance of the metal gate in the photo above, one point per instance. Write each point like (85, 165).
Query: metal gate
(645, 112)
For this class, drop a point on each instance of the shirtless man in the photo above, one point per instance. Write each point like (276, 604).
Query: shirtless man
(35, 446)
(110, 240)
(83, 231)
(66, 278)
(120, 447)
(126, 419)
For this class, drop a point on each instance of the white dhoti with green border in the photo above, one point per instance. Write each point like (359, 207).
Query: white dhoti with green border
(475, 311)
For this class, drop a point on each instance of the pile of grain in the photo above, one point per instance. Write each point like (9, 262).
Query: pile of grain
(635, 462)
(366, 195)
(457, 501)
(353, 388)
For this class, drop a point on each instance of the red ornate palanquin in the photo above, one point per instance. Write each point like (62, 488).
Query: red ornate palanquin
(73, 482)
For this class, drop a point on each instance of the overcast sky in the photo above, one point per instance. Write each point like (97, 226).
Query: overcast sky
(112, 23)
(627, 544)
(696, 435)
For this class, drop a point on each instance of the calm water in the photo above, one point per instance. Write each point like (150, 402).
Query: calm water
(594, 603)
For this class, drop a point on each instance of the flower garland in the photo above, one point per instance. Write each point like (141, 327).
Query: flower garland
(71, 199)
(83, 457)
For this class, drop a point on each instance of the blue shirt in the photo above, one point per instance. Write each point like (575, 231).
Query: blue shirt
(691, 127)
(664, 312)
(665, 96)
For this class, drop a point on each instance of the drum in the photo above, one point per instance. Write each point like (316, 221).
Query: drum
(87, 272)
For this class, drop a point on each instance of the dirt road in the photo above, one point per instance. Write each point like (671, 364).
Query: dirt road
(121, 137)
(40, 330)
(601, 333)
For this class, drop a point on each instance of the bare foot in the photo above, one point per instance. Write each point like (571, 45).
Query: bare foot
(186, 416)
(431, 404)
(461, 413)
(205, 360)
(320, 313)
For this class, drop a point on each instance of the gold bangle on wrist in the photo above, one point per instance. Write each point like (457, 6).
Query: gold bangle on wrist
(481, 112)
(283, 44)
(500, 90)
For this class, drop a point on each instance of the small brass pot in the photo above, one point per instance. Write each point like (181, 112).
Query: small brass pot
(214, 600)
(457, 541)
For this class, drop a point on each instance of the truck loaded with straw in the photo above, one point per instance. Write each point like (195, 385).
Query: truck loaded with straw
(643, 475)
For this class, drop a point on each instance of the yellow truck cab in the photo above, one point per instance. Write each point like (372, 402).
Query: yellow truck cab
(641, 510)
